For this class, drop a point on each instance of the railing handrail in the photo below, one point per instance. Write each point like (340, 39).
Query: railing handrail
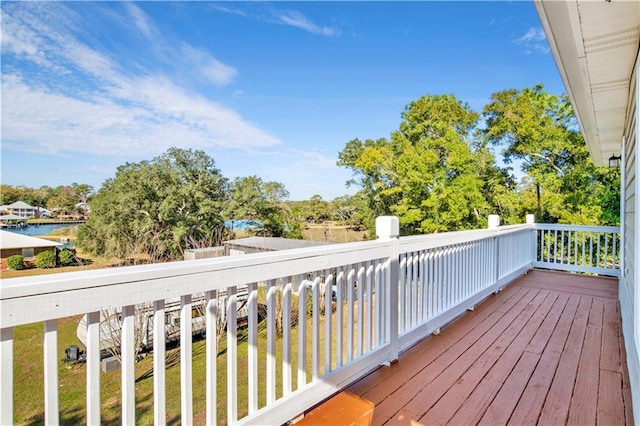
(586, 228)
(445, 239)
(65, 281)
(166, 280)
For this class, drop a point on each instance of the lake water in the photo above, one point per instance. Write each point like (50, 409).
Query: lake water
(35, 230)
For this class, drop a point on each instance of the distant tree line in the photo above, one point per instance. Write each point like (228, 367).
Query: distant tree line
(437, 172)
(63, 197)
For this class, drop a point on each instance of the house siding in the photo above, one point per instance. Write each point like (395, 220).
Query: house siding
(629, 293)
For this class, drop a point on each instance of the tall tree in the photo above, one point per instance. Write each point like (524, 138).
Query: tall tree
(156, 207)
(430, 172)
(540, 130)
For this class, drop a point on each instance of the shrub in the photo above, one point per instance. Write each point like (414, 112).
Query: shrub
(46, 259)
(66, 258)
(15, 262)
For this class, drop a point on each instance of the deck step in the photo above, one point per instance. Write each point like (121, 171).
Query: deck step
(343, 408)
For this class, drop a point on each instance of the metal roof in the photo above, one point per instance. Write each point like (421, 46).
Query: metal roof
(13, 240)
(20, 205)
(12, 217)
(273, 243)
(595, 45)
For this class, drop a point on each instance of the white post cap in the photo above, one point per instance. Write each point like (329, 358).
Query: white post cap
(387, 227)
(494, 221)
(531, 219)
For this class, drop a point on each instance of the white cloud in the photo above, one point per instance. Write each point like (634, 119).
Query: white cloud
(288, 17)
(95, 103)
(211, 68)
(142, 22)
(534, 40)
(298, 20)
(159, 116)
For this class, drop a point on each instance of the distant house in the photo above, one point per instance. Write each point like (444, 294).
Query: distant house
(12, 243)
(20, 208)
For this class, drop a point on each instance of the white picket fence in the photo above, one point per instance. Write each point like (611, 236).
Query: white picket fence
(333, 313)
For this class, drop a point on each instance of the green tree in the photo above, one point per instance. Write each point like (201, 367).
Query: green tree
(156, 207)
(540, 130)
(63, 199)
(252, 198)
(8, 194)
(430, 173)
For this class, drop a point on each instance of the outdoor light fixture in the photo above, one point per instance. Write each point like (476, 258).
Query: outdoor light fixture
(614, 161)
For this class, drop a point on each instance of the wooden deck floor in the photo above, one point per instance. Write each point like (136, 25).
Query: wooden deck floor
(547, 350)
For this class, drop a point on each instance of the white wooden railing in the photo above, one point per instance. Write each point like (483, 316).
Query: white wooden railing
(575, 248)
(333, 313)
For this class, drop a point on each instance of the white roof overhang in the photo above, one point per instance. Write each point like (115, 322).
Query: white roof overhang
(595, 45)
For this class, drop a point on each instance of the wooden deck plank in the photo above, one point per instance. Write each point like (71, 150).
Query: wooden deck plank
(585, 393)
(597, 290)
(610, 359)
(443, 376)
(538, 358)
(530, 404)
(425, 353)
(456, 394)
(571, 283)
(610, 399)
(445, 346)
(502, 406)
(556, 406)
(465, 402)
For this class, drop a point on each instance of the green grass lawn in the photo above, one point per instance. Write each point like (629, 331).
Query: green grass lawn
(29, 391)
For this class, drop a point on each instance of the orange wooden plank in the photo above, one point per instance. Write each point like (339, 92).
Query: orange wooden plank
(529, 406)
(556, 406)
(344, 408)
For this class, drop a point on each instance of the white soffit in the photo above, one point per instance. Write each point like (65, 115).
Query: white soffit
(595, 44)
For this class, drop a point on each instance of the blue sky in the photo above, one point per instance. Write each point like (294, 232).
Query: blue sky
(273, 89)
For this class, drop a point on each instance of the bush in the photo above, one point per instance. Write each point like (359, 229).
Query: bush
(66, 258)
(46, 259)
(15, 262)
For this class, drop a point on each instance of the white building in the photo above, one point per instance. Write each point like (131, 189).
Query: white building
(23, 209)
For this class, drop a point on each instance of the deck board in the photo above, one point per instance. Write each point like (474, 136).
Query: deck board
(541, 352)
(530, 404)
(422, 393)
(556, 406)
(477, 402)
